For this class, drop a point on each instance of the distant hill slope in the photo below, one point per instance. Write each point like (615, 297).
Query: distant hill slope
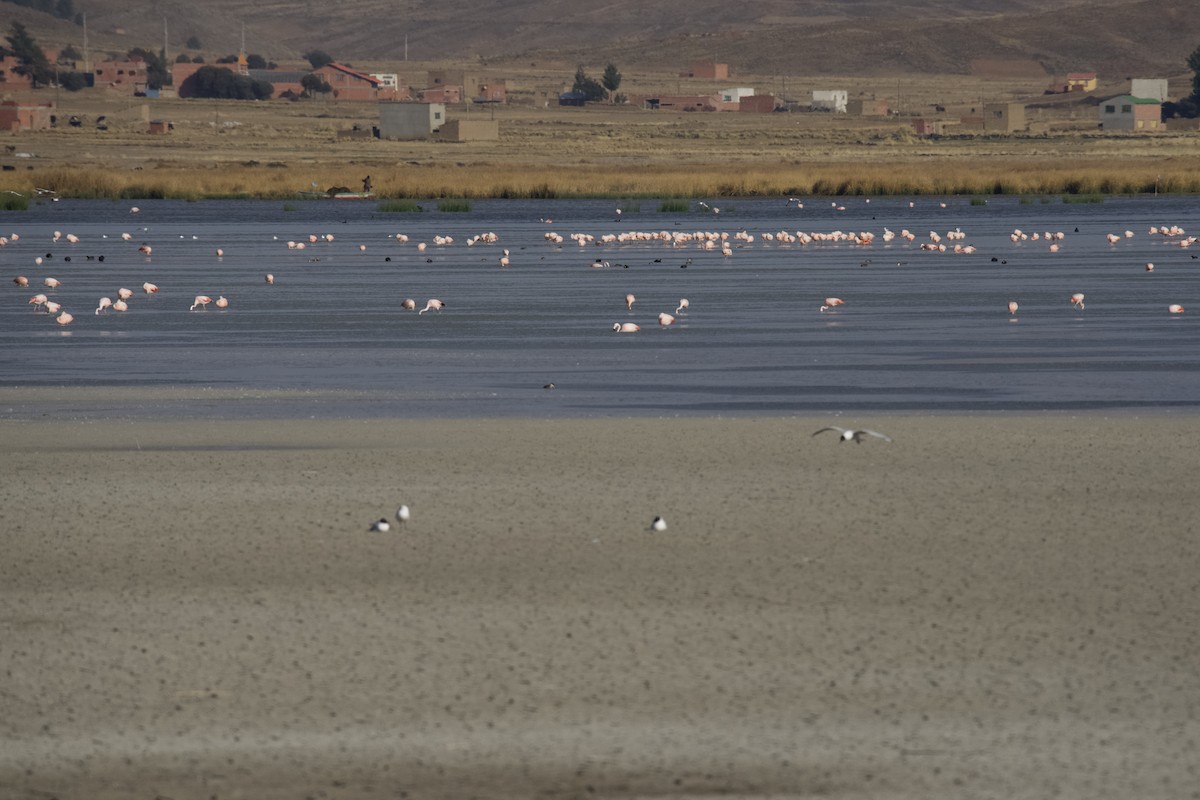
(765, 37)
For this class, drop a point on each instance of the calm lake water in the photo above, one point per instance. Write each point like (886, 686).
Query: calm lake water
(919, 331)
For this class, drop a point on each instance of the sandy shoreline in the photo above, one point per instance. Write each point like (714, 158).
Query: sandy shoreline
(986, 607)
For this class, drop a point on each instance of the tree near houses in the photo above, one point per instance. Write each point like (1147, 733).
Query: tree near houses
(314, 84)
(588, 87)
(1193, 63)
(158, 73)
(33, 61)
(611, 80)
(223, 83)
(1188, 107)
(318, 58)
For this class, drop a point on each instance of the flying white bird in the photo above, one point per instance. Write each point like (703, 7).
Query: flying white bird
(851, 434)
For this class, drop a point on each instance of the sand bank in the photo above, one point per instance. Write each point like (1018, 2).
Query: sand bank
(986, 607)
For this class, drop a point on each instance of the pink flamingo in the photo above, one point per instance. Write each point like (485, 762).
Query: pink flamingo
(64, 319)
(105, 302)
(1077, 300)
(629, 300)
(221, 302)
(1012, 306)
(665, 319)
(683, 305)
(625, 327)
(409, 304)
(432, 305)
(201, 300)
(149, 288)
(1175, 308)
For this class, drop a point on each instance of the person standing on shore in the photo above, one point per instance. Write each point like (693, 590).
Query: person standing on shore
(367, 184)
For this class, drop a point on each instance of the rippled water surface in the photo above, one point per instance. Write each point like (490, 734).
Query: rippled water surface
(920, 330)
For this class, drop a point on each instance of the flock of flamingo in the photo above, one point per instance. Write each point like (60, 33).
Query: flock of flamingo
(952, 242)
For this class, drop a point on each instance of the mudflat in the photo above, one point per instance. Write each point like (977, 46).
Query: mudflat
(985, 607)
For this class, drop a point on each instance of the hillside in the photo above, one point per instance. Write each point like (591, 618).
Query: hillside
(770, 37)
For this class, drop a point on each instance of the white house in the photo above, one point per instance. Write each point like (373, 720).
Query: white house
(1153, 88)
(736, 94)
(833, 100)
(389, 80)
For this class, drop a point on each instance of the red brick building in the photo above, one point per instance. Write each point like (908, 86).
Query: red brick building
(27, 116)
(351, 85)
(122, 74)
(10, 79)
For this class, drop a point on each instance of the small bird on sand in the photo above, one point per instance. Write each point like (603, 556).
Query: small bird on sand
(857, 435)
(402, 514)
(658, 525)
(381, 526)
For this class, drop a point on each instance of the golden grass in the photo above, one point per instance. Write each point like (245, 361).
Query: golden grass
(958, 177)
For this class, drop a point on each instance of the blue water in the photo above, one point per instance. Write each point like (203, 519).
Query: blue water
(920, 331)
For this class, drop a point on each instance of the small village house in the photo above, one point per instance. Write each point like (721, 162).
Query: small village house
(1081, 82)
(125, 73)
(492, 92)
(25, 116)
(404, 121)
(867, 108)
(733, 96)
(829, 100)
(926, 128)
(1129, 113)
(708, 71)
(997, 118)
(681, 102)
(759, 104)
(350, 85)
(446, 94)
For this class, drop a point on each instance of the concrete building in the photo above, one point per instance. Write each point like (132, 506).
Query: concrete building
(1150, 88)
(410, 120)
(1129, 113)
(829, 100)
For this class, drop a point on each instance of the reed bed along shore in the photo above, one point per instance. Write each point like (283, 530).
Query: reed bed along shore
(963, 176)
